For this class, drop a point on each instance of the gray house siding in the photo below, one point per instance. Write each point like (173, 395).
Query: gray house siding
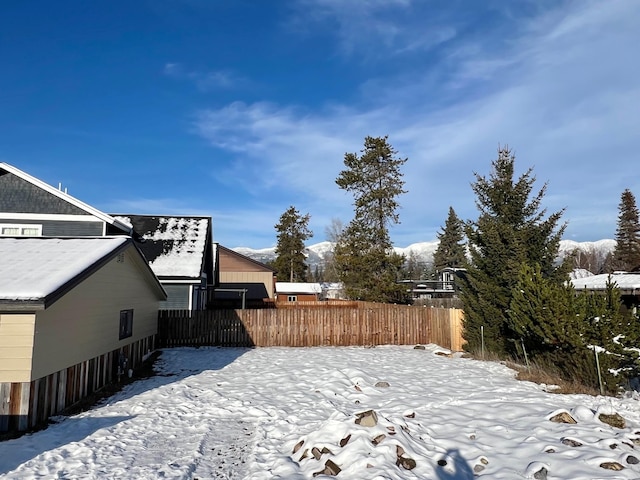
(177, 297)
(20, 196)
(73, 229)
(61, 228)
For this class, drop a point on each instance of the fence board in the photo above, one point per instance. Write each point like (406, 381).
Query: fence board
(313, 325)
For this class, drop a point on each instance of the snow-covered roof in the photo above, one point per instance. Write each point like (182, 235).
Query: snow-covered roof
(626, 282)
(32, 268)
(174, 246)
(578, 273)
(304, 288)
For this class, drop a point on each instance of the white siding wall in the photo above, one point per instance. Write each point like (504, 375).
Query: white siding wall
(85, 322)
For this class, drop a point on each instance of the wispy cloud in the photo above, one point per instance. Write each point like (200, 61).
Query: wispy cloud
(205, 80)
(280, 146)
(562, 91)
(372, 28)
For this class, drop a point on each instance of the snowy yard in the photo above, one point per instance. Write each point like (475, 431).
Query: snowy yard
(291, 412)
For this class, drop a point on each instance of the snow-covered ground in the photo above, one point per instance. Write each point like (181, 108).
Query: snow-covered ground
(289, 413)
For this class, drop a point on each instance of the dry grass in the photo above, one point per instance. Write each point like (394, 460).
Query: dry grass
(487, 356)
(554, 382)
(541, 374)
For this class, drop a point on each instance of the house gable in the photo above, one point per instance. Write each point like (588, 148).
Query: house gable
(239, 276)
(21, 196)
(25, 200)
(232, 261)
(87, 321)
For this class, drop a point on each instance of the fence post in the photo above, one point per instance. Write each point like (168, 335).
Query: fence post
(599, 374)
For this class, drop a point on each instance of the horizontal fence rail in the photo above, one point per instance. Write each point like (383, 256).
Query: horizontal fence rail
(312, 325)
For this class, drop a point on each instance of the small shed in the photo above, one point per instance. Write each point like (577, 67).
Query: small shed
(74, 314)
(292, 292)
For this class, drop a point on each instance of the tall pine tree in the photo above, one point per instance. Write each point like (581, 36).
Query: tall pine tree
(451, 249)
(364, 256)
(292, 231)
(511, 231)
(626, 255)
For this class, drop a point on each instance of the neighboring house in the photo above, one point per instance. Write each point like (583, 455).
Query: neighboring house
(74, 313)
(444, 287)
(179, 249)
(180, 252)
(30, 207)
(627, 282)
(291, 292)
(333, 291)
(243, 282)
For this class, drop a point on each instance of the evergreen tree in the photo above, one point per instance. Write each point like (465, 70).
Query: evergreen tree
(542, 314)
(364, 256)
(626, 255)
(451, 250)
(292, 231)
(511, 231)
(367, 271)
(562, 330)
(614, 332)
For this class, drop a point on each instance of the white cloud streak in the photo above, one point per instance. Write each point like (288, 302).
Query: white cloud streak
(372, 27)
(205, 81)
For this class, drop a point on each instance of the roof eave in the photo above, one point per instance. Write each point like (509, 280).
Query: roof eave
(18, 305)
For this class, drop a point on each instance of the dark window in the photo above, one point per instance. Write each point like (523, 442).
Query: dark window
(292, 298)
(126, 323)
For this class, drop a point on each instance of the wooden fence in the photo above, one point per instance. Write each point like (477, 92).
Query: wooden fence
(313, 325)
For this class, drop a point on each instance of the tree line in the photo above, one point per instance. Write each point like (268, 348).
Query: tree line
(516, 295)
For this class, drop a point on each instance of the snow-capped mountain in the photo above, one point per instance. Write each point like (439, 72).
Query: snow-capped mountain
(599, 248)
(263, 255)
(423, 250)
(315, 253)
(596, 251)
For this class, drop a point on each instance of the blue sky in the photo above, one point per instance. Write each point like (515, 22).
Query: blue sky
(239, 109)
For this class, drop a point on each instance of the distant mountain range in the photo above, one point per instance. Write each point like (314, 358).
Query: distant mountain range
(596, 251)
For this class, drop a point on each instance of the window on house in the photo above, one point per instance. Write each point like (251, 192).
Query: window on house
(16, 230)
(126, 323)
(292, 298)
